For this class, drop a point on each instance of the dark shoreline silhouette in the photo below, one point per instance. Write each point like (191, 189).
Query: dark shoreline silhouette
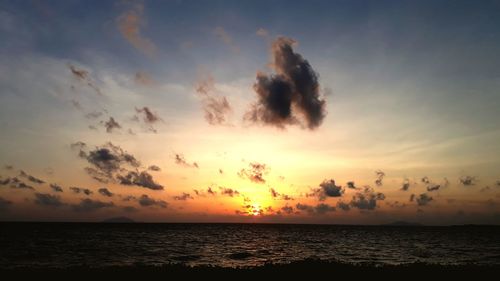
(293, 269)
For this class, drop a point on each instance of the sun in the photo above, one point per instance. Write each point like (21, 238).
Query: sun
(255, 210)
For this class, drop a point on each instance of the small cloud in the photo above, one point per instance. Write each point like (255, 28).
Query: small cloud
(148, 116)
(468, 180)
(48, 200)
(406, 184)
(130, 24)
(8, 167)
(111, 124)
(89, 205)
(287, 209)
(319, 209)
(56, 187)
(423, 199)
(180, 160)
(351, 185)
(380, 177)
(216, 108)
(326, 189)
(30, 177)
(221, 171)
(105, 192)
(94, 115)
(366, 199)
(79, 190)
(228, 191)
(143, 179)
(84, 77)
(154, 168)
(183, 197)
(275, 194)
(343, 206)
(255, 172)
(224, 37)
(146, 201)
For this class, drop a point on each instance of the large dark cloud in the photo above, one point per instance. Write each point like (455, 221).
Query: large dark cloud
(255, 172)
(48, 200)
(366, 199)
(111, 163)
(180, 160)
(105, 192)
(89, 205)
(423, 199)
(319, 209)
(4, 204)
(79, 190)
(143, 179)
(56, 188)
(183, 197)
(30, 177)
(147, 201)
(326, 189)
(291, 96)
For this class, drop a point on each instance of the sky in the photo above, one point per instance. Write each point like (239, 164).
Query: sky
(336, 112)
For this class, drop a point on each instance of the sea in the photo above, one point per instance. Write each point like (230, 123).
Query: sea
(61, 245)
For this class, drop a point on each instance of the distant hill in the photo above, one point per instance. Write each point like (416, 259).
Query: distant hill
(119, 220)
(403, 223)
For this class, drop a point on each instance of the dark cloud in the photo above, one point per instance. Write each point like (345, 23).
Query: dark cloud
(56, 187)
(222, 172)
(180, 160)
(17, 184)
(396, 204)
(351, 185)
(406, 184)
(111, 124)
(255, 172)
(143, 179)
(83, 76)
(112, 163)
(105, 192)
(48, 200)
(319, 209)
(148, 115)
(228, 191)
(366, 199)
(291, 96)
(216, 108)
(147, 201)
(8, 167)
(412, 197)
(423, 199)
(183, 197)
(343, 206)
(79, 190)
(326, 189)
(128, 198)
(204, 193)
(433, 187)
(154, 168)
(287, 209)
(5, 181)
(210, 191)
(380, 177)
(425, 180)
(276, 194)
(89, 205)
(468, 180)
(498, 183)
(30, 177)
(129, 209)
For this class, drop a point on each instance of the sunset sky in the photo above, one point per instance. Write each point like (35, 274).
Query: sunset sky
(358, 112)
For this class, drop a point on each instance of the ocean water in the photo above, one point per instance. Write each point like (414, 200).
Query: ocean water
(233, 245)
